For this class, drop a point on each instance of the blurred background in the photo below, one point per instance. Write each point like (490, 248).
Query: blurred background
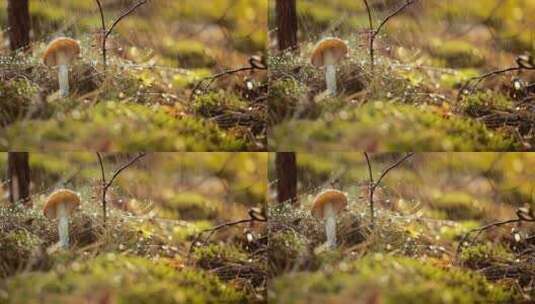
(450, 33)
(156, 244)
(417, 242)
(157, 57)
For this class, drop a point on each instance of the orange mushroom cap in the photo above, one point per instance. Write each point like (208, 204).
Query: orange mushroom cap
(70, 198)
(336, 46)
(337, 199)
(67, 47)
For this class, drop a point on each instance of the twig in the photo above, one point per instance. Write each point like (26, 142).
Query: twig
(370, 20)
(107, 33)
(480, 78)
(254, 64)
(481, 229)
(373, 185)
(107, 184)
(375, 32)
(254, 216)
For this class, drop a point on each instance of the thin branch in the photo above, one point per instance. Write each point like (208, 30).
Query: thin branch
(254, 216)
(370, 20)
(479, 79)
(130, 163)
(396, 164)
(107, 33)
(373, 185)
(481, 229)
(105, 185)
(103, 24)
(254, 64)
(371, 188)
(375, 32)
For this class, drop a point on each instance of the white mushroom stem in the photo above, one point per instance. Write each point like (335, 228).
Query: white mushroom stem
(63, 75)
(330, 225)
(63, 225)
(330, 72)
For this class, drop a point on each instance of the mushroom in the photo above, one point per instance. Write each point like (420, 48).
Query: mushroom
(326, 206)
(61, 52)
(60, 204)
(328, 52)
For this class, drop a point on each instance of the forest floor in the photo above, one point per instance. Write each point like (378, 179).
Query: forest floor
(150, 249)
(423, 210)
(156, 88)
(411, 99)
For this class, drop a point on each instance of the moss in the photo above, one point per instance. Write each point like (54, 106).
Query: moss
(16, 249)
(458, 77)
(483, 255)
(484, 103)
(16, 98)
(283, 98)
(212, 255)
(387, 279)
(184, 80)
(230, 263)
(216, 103)
(287, 251)
(104, 127)
(188, 53)
(126, 279)
(192, 206)
(458, 206)
(458, 53)
(388, 126)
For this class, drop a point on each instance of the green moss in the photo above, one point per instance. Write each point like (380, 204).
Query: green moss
(458, 206)
(192, 206)
(388, 126)
(458, 53)
(104, 128)
(124, 278)
(192, 76)
(484, 103)
(483, 255)
(212, 255)
(16, 98)
(16, 248)
(287, 250)
(215, 103)
(283, 98)
(387, 279)
(458, 77)
(188, 53)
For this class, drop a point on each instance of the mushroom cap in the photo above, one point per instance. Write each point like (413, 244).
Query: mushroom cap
(337, 199)
(70, 198)
(70, 48)
(336, 46)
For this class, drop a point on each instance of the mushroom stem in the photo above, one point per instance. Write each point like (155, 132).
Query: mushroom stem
(330, 225)
(330, 72)
(63, 226)
(63, 77)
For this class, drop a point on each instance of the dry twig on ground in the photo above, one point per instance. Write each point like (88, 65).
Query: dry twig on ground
(107, 32)
(107, 184)
(373, 185)
(374, 32)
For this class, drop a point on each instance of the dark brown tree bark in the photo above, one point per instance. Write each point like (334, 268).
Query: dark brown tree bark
(286, 168)
(18, 173)
(286, 24)
(18, 19)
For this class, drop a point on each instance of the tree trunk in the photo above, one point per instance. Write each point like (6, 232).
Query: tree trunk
(18, 19)
(18, 173)
(286, 24)
(286, 168)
